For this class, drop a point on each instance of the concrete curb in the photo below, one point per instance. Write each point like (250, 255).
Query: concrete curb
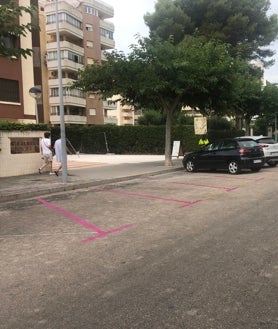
(71, 186)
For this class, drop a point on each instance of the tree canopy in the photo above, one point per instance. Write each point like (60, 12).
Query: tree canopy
(11, 30)
(161, 75)
(244, 24)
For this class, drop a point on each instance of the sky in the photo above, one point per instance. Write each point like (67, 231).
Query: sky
(128, 20)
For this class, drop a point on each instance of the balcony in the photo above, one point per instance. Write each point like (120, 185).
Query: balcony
(106, 43)
(69, 119)
(107, 26)
(65, 29)
(66, 65)
(54, 82)
(109, 106)
(110, 120)
(104, 10)
(68, 100)
(65, 45)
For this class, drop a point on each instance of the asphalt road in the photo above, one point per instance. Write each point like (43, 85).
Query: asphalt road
(178, 250)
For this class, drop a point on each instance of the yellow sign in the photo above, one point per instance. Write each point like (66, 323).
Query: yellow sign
(200, 125)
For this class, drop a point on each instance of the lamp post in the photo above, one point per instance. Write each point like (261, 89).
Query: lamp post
(36, 93)
(61, 100)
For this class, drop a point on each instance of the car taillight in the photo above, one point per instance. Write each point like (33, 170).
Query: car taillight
(243, 151)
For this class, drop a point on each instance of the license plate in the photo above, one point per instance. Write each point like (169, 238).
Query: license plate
(257, 161)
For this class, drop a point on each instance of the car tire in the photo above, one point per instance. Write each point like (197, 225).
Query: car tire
(190, 166)
(234, 167)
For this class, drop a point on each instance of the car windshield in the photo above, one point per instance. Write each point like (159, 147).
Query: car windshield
(247, 143)
(266, 140)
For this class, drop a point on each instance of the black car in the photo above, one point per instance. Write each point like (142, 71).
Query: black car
(228, 154)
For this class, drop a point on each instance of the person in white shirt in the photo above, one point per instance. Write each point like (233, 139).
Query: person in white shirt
(46, 152)
(58, 153)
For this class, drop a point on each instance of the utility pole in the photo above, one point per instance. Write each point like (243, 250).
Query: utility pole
(61, 101)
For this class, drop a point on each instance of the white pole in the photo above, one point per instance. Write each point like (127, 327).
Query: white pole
(276, 127)
(61, 101)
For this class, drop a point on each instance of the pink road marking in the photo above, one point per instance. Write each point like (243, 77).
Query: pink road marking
(100, 233)
(71, 216)
(242, 178)
(228, 189)
(147, 196)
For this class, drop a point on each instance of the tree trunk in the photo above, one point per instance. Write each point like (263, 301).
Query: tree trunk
(168, 134)
(247, 125)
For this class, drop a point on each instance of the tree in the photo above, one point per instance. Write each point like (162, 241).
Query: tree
(270, 104)
(243, 24)
(247, 102)
(11, 30)
(161, 75)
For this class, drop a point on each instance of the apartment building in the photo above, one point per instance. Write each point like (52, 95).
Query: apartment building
(18, 76)
(84, 35)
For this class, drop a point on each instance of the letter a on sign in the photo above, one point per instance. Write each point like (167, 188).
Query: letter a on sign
(200, 125)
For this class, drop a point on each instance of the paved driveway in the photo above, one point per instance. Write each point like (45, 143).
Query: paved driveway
(176, 250)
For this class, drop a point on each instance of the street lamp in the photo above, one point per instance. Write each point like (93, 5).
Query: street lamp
(36, 93)
(61, 100)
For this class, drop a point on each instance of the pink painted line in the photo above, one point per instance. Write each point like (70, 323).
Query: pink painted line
(228, 189)
(102, 235)
(147, 196)
(71, 216)
(241, 178)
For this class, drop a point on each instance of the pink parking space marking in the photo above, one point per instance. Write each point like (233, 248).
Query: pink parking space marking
(154, 197)
(100, 233)
(240, 178)
(228, 189)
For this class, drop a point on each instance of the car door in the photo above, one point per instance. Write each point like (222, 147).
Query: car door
(226, 152)
(207, 156)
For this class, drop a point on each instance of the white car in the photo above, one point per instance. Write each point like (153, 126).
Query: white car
(269, 146)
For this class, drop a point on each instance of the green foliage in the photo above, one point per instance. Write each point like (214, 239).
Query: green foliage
(152, 118)
(216, 123)
(9, 126)
(163, 76)
(122, 139)
(243, 24)
(10, 28)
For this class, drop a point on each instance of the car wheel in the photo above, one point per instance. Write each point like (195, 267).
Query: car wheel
(190, 166)
(233, 167)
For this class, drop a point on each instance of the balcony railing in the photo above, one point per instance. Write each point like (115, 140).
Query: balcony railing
(69, 119)
(68, 100)
(65, 63)
(65, 45)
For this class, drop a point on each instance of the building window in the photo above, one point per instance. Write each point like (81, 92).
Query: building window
(89, 27)
(92, 111)
(65, 54)
(90, 44)
(54, 92)
(9, 91)
(106, 33)
(55, 110)
(8, 41)
(64, 17)
(90, 61)
(91, 11)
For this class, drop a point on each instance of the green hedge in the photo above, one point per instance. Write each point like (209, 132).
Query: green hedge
(134, 139)
(123, 139)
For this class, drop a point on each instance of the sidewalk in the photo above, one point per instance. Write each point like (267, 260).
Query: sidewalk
(83, 171)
